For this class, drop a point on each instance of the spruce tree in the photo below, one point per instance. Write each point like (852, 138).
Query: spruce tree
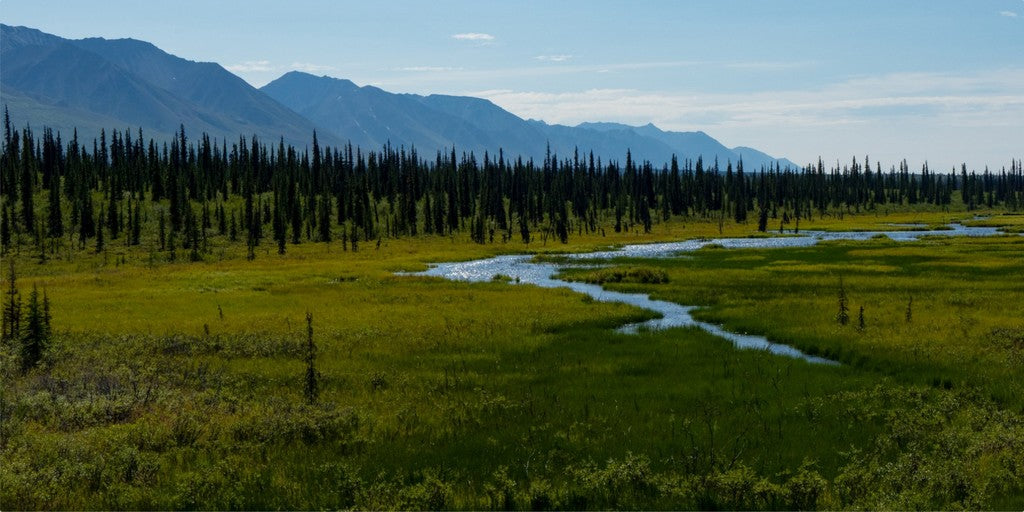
(5, 230)
(35, 338)
(87, 225)
(280, 230)
(311, 385)
(55, 224)
(843, 316)
(100, 243)
(162, 229)
(325, 218)
(233, 232)
(113, 223)
(12, 307)
(27, 182)
(136, 234)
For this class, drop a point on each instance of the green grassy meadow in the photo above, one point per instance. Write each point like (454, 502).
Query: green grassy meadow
(177, 385)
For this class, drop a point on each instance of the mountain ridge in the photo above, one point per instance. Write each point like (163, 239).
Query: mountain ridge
(88, 83)
(140, 85)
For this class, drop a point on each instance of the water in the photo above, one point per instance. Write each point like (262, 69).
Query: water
(523, 270)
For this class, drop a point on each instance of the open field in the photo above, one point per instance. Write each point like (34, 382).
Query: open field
(180, 385)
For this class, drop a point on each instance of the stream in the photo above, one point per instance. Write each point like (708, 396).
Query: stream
(523, 270)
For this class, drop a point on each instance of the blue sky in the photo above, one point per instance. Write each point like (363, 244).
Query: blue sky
(937, 80)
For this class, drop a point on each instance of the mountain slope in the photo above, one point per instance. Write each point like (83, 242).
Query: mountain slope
(126, 84)
(370, 116)
(138, 85)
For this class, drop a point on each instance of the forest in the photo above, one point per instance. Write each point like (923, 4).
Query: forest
(211, 324)
(258, 191)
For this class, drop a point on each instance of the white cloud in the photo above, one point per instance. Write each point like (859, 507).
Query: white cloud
(460, 75)
(309, 67)
(554, 58)
(428, 69)
(943, 117)
(1008, 14)
(768, 65)
(473, 36)
(993, 92)
(250, 66)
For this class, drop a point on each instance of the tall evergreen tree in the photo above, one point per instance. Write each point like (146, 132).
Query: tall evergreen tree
(311, 384)
(5, 230)
(12, 307)
(843, 316)
(55, 224)
(35, 339)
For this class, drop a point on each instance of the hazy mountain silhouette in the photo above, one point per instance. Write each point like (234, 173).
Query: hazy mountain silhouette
(371, 116)
(126, 84)
(136, 84)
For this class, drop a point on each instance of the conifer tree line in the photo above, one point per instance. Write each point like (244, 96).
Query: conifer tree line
(178, 194)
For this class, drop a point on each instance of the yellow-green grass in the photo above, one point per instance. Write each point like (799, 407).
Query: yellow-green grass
(437, 394)
(964, 295)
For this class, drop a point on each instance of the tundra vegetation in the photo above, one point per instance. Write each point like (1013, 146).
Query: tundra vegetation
(160, 351)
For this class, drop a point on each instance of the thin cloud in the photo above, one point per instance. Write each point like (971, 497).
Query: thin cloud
(250, 66)
(1008, 14)
(309, 67)
(554, 58)
(987, 99)
(768, 65)
(428, 69)
(462, 74)
(473, 36)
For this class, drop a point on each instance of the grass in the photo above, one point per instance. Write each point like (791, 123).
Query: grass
(179, 385)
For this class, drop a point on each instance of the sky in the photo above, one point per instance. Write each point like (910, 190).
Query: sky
(939, 81)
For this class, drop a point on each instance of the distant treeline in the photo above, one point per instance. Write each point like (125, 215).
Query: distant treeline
(184, 191)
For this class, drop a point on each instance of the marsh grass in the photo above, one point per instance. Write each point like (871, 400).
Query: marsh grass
(180, 385)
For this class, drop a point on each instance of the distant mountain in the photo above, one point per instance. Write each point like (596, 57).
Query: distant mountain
(369, 116)
(97, 83)
(753, 155)
(129, 84)
(690, 145)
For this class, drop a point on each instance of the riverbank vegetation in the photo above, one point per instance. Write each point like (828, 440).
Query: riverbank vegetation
(177, 363)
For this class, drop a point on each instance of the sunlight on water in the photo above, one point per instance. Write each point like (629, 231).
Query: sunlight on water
(523, 270)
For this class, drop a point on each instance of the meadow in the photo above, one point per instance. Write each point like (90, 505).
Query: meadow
(179, 385)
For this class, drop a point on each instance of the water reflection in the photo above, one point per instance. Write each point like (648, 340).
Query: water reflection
(523, 270)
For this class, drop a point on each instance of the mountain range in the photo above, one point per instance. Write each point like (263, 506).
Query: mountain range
(94, 83)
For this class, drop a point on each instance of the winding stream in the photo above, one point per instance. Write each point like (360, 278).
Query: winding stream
(523, 270)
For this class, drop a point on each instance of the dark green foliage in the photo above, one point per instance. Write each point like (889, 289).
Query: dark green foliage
(136, 234)
(311, 383)
(100, 243)
(162, 229)
(843, 316)
(324, 219)
(554, 198)
(87, 225)
(5, 230)
(55, 218)
(12, 307)
(27, 181)
(36, 336)
(113, 218)
(280, 230)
